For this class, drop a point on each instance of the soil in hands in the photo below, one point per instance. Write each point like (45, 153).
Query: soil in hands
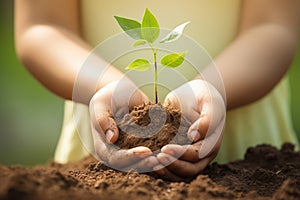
(264, 173)
(152, 126)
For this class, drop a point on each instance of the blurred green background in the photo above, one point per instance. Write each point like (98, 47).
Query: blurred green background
(31, 116)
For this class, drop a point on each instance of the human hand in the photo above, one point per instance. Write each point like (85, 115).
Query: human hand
(203, 105)
(115, 97)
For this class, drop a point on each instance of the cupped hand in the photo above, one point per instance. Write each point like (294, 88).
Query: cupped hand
(203, 105)
(116, 97)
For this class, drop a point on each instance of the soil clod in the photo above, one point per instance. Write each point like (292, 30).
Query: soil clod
(265, 173)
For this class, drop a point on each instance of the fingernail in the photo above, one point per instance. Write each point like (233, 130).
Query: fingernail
(140, 151)
(109, 135)
(195, 136)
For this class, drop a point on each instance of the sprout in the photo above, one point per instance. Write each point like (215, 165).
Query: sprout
(148, 32)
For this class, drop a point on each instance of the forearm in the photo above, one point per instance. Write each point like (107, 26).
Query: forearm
(255, 62)
(55, 57)
(260, 55)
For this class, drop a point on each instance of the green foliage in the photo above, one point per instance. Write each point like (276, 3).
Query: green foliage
(147, 32)
(173, 60)
(30, 115)
(139, 43)
(131, 27)
(175, 33)
(139, 64)
(150, 27)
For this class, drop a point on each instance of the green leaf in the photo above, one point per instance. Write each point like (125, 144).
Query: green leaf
(175, 34)
(139, 64)
(131, 27)
(139, 43)
(173, 60)
(150, 28)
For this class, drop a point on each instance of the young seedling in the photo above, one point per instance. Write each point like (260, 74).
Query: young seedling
(147, 32)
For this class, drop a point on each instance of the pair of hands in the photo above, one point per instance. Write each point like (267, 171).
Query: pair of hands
(199, 102)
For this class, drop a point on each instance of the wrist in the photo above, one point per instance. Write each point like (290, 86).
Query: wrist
(110, 75)
(90, 81)
(219, 91)
(213, 75)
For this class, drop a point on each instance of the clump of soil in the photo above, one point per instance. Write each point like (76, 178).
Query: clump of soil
(264, 169)
(264, 173)
(153, 126)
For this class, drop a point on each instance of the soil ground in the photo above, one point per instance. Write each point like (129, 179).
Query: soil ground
(264, 173)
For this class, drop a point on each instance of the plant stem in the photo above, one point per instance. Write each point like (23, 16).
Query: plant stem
(155, 77)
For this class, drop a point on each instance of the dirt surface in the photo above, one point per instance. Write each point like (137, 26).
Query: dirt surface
(153, 126)
(265, 173)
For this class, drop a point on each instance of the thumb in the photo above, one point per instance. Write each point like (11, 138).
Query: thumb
(199, 128)
(103, 121)
(109, 127)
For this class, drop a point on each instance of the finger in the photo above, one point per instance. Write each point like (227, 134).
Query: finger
(115, 157)
(121, 158)
(172, 101)
(108, 125)
(144, 165)
(102, 120)
(195, 152)
(199, 128)
(138, 98)
(126, 94)
(165, 159)
(165, 174)
(188, 153)
(102, 149)
(186, 169)
(211, 144)
(212, 113)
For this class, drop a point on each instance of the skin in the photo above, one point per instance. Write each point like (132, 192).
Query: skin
(250, 67)
(51, 48)
(252, 64)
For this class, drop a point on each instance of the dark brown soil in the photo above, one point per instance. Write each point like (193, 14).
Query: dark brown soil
(265, 173)
(153, 126)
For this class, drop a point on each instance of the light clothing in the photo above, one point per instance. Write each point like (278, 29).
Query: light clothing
(214, 26)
